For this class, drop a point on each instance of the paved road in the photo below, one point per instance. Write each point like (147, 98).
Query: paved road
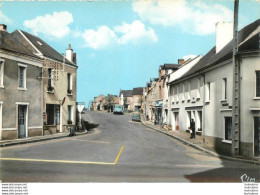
(117, 151)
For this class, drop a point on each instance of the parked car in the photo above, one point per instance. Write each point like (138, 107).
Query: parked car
(136, 117)
(118, 109)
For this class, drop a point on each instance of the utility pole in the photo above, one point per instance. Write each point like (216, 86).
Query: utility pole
(236, 86)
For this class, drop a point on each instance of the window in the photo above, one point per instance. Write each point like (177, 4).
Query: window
(22, 76)
(189, 84)
(183, 92)
(70, 114)
(50, 80)
(1, 73)
(198, 88)
(53, 114)
(207, 92)
(172, 93)
(224, 88)
(228, 128)
(258, 83)
(69, 77)
(177, 93)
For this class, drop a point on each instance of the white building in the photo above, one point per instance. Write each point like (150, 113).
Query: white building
(205, 93)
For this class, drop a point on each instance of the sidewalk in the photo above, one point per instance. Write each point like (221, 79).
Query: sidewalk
(197, 143)
(26, 140)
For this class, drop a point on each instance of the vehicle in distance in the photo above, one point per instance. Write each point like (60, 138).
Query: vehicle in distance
(136, 117)
(118, 109)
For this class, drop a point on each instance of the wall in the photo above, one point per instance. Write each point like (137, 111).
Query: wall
(248, 100)
(10, 95)
(60, 92)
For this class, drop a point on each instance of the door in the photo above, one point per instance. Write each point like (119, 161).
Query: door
(176, 120)
(22, 121)
(257, 136)
(1, 123)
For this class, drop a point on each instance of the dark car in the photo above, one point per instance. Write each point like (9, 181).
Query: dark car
(136, 117)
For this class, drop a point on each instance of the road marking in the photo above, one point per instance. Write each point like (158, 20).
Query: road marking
(57, 161)
(67, 161)
(102, 142)
(201, 165)
(119, 154)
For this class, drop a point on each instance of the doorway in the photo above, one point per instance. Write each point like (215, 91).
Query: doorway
(1, 121)
(257, 136)
(176, 117)
(22, 121)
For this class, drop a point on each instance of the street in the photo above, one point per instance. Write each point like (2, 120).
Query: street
(118, 150)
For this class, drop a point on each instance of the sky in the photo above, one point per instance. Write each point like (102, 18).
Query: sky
(121, 44)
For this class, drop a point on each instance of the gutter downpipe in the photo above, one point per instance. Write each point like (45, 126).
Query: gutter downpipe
(203, 110)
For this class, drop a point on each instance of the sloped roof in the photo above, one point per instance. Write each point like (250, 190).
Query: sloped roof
(245, 42)
(170, 66)
(10, 43)
(126, 93)
(41, 45)
(138, 91)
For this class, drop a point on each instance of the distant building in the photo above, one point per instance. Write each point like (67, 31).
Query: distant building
(126, 98)
(137, 99)
(99, 102)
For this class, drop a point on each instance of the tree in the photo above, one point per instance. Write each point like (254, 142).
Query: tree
(110, 100)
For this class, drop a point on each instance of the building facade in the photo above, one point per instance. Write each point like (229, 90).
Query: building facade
(205, 94)
(20, 89)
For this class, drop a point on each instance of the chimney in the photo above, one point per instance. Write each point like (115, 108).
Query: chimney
(224, 34)
(3, 27)
(181, 61)
(69, 53)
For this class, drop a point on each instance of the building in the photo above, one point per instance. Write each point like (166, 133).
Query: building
(148, 102)
(168, 93)
(161, 88)
(59, 75)
(98, 102)
(20, 89)
(126, 98)
(205, 93)
(137, 99)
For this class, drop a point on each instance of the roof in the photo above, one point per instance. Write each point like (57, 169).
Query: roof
(126, 93)
(170, 66)
(42, 46)
(248, 40)
(10, 43)
(138, 91)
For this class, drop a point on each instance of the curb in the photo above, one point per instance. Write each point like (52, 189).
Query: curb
(37, 140)
(203, 149)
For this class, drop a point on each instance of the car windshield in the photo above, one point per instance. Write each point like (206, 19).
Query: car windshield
(136, 115)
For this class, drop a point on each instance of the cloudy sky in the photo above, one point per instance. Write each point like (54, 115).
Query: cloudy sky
(120, 44)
